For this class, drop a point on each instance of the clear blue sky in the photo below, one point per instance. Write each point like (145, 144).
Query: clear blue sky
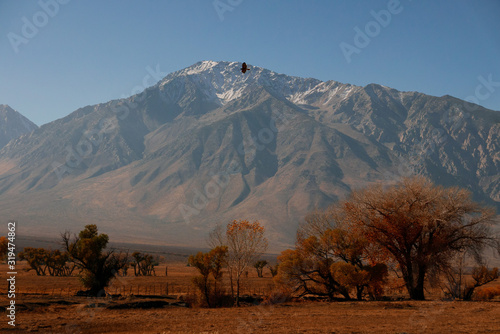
(87, 52)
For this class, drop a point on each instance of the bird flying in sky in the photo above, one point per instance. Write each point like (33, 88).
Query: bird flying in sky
(244, 68)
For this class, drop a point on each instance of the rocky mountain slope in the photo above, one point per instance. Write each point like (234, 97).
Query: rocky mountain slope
(13, 124)
(208, 144)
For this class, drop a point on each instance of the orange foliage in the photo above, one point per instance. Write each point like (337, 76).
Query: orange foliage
(209, 263)
(330, 258)
(419, 225)
(245, 241)
(487, 293)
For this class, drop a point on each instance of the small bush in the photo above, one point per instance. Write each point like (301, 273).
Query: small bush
(198, 300)
(191, 300)
(277, 296)
(487, 293)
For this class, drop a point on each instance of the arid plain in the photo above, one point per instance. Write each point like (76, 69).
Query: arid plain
(46, 304)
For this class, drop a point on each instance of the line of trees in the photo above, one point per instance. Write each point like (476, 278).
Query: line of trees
(143, 264)
(415, 228)
(86, 252)
(414, 225)
(55, 262)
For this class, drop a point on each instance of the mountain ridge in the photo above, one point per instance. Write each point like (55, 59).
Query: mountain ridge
(13, 125)
(208, 144)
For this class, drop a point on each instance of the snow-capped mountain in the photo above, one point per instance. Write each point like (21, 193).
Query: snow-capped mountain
(13, 124)
(208, 144)
(222, 82)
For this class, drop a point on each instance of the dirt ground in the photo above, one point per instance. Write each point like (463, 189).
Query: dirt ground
(57, 316)
(41, 309)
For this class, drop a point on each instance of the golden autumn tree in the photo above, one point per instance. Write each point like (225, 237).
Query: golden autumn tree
(209, 263)
(421, 226)
(329, 260)
(245, 242)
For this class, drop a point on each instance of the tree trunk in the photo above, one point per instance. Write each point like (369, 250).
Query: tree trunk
(359, 292)
(207, 291)
(417, 291)
(231, 283)
(215, 287)
(468, 292)
(97, 291)
(345, 293)
(237, 291)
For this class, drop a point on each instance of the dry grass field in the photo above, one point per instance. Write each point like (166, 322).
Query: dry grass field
(48, 305)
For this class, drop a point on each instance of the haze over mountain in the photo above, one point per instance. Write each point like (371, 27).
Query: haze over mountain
(208, 144)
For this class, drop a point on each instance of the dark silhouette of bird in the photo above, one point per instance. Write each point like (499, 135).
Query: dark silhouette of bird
(244, 68)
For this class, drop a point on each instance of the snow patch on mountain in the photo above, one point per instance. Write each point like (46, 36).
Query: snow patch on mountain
(222, 82)
(200, 67)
